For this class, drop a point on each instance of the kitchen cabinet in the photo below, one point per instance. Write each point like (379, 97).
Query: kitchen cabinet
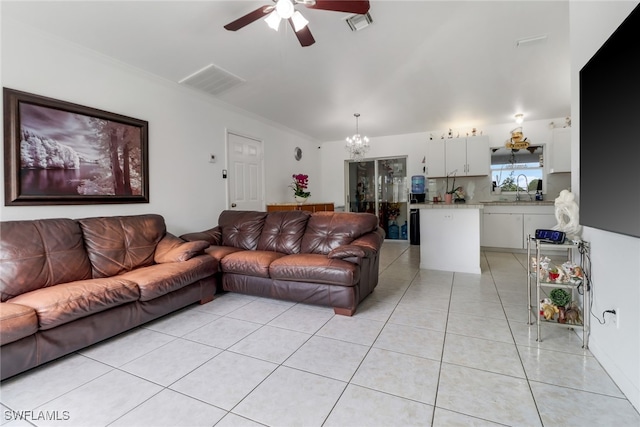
(435, 158)
(560, 156)
(502, 230)
(508, 226)
(468, 156)
(478, 156)
(532, 222)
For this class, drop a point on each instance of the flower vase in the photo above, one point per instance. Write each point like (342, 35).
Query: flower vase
(300, 199)
(448, 198)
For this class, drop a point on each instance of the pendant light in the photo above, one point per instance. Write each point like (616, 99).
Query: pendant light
(357, 145)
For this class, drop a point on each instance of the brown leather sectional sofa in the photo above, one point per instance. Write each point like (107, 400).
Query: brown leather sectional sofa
(324, 258)
(66, 284)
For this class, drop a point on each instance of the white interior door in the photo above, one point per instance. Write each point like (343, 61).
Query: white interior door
(244, 180)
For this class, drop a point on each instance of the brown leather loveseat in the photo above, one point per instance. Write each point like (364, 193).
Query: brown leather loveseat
(66, 284)
(324, 258)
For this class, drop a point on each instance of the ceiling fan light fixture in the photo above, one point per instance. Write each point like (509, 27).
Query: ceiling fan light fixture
(285, 9)
(273, 20)
(299, 21)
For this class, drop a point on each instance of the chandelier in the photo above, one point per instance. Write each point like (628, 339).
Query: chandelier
(357, 145)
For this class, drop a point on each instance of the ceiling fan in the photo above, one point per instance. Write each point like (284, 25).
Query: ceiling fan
(285, 9)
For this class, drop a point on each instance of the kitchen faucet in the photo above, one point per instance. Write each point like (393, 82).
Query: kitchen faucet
(526, 186)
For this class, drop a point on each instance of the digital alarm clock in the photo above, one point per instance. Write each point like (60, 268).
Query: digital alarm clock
(550, 236)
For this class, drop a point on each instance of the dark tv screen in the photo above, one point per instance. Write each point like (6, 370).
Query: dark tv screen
(610, 133)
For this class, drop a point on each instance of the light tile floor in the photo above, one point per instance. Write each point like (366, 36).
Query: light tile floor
(426, 348)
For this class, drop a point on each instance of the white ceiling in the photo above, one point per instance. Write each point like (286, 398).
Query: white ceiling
(421, 65)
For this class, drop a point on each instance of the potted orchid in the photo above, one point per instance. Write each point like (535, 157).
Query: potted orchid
(449, 193)
(299, 186)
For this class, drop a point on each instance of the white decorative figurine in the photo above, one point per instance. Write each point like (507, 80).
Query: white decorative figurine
(567, 215)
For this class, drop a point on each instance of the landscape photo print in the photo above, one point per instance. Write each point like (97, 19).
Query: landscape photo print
(62, 153)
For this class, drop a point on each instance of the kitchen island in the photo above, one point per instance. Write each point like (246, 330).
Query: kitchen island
(450, 236)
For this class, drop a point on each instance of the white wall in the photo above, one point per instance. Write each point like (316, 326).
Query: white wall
(414, 146)
(615, 258)
(333, 156)
(184, 128)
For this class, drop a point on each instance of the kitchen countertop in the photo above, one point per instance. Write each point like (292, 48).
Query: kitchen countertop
(519, 203)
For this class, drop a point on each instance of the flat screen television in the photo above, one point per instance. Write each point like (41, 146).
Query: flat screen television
(610, 133)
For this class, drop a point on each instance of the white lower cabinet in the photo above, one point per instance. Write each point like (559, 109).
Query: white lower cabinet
(502, 230)
(509, 226)
(532, 222)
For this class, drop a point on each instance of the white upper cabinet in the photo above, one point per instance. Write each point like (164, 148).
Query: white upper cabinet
(468, 156)
(435, 158)
(560, 156)
(478, 156)
(456, 156)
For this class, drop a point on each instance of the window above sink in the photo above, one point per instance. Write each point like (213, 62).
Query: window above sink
(507, 166)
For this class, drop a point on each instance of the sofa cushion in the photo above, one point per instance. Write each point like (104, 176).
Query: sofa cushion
(241, 229)
(249, 263)
(219, 252)
(174, 249)
(16, 322)
(282, 231)
(327, 230)
(160, 279)
(121, 243)
(40, 253)
(66, 302)
(315, 269)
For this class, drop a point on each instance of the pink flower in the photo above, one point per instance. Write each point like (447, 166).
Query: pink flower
(300, 184)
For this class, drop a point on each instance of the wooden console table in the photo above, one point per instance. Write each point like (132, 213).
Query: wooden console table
(311, 207)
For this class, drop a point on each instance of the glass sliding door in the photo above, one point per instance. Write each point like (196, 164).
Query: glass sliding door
(392, 197)
(362, 187)
(380, 186)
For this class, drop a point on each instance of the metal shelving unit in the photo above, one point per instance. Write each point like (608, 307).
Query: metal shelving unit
(536, 247)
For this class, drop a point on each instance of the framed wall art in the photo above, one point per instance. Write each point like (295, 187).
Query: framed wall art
(59, 153)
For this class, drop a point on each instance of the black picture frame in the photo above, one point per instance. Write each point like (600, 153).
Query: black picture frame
(60, 153)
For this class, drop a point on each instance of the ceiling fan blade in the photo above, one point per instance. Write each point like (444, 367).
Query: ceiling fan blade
(249, 18)
(359, 7)
(304, 35)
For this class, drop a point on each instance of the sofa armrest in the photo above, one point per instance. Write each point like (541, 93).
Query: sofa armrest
(363, 247)
(350, 253)
(347, 251)
(174, 249)
(213, 236)
(372, 241)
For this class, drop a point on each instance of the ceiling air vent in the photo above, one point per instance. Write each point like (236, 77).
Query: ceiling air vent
(212, 80)
(359, 22)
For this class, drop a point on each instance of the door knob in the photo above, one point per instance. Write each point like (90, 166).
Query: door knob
(233, 205)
